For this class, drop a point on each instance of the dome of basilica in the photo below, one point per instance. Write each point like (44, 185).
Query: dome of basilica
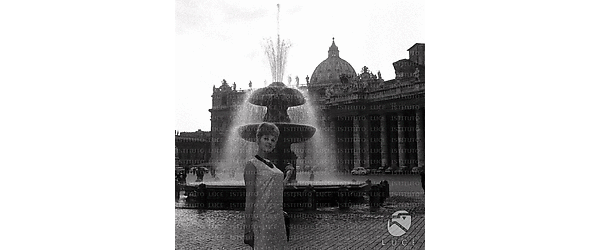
(329, 70)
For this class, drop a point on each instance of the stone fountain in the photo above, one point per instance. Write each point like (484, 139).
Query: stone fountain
(278, 98)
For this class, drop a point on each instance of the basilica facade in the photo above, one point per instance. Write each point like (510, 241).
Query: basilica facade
(192, 148)
(371, 122)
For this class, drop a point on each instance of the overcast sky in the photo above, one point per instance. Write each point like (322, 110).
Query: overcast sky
(218, 40)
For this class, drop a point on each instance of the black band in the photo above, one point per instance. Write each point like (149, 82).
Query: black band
(270, 164)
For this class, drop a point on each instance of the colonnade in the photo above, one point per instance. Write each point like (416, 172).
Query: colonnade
(390, 139)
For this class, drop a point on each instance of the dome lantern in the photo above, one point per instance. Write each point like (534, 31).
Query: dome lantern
(333, 50)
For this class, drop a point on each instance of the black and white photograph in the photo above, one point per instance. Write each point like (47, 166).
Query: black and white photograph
(302, 125)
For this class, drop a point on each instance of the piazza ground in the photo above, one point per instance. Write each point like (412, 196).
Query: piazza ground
(326, 228)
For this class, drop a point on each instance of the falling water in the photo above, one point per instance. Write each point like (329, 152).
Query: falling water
(319, 152)
(237, 150)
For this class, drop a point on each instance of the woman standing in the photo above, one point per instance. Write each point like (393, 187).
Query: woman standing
(264, 219)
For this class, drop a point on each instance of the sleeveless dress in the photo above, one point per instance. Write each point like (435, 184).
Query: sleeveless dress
(268, 222)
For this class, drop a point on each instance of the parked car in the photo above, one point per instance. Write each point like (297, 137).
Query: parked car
(378, 170)
(207, 167)
(392, 170)
(198, 168)
(416, 170)
(402, 169)
(359, 171)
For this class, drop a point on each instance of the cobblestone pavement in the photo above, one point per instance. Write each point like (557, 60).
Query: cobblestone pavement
(327, 228)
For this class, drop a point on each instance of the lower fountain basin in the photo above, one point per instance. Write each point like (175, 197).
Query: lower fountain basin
(290, 132)
(298, 184)
(302, 195)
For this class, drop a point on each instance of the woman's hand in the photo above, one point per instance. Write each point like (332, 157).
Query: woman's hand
(288, 173)
(249, 238)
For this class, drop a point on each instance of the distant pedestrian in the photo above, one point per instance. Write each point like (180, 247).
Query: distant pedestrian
(423, 179)
(176, 190)
(181, 176)
(199, 174)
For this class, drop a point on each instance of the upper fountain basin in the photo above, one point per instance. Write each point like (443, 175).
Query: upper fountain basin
(277, 94)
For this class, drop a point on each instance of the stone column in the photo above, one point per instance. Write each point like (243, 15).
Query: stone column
(420, 117)
(345, 144)
(384, 142)
(366, 140)
(356, 140)
(401, 144)
(331, 133)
